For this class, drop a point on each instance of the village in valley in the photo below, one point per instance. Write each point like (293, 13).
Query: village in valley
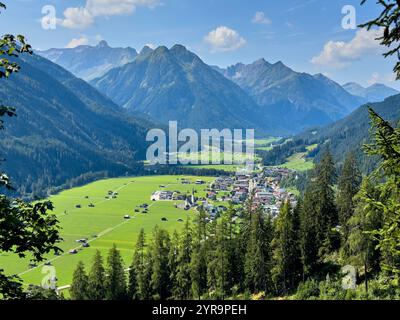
(263, 187)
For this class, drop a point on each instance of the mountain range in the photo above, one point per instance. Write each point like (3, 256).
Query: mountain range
(89, 62)
(300, 100)
(175, 84)
(69, 130)
(64, 129)
(374, 93)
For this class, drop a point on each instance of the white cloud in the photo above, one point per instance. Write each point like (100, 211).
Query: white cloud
(82, 17)
(260, 18)
(376, 77)
(98, 38)
(341, 54)
(77, 42)
(224, 39)
(77, 18)
(151, 45)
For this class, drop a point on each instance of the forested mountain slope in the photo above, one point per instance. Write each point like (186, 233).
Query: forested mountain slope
(64, 129)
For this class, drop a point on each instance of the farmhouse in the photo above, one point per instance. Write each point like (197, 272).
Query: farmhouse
(161, 196)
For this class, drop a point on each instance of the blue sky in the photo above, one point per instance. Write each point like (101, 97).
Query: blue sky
(306, 35)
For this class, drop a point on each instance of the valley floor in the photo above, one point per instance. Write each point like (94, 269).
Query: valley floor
(104, 224)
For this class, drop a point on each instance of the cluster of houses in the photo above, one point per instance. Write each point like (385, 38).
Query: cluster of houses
(264, 187)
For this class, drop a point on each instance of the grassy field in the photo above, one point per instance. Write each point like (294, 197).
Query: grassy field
(223, 167)
(299, 161)
(212, 153)
(260, 144)
(104, 224)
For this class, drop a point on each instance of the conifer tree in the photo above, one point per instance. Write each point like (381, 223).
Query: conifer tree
(325, 210)
(183, 280)
(320, 213)
(160, 272)
(240, 247)
(116, 279)
(308, 232)
(286, 249)
(223, 256)
(79, 286)
(211, 259)
(97, 274)
(386, 145)
(142, 284)
(198, 262)
(348, 187)
(361, 243)
(173, 264)
(257, 258)
(132, 288)
(149, 293)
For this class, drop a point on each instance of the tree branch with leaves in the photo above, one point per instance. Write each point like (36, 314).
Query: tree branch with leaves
(25, 228)
(388, 21)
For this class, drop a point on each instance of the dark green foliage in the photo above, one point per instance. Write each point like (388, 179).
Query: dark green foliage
(348, 186)
(307, 290)
(132, 284)
(11, 286)
(287, 269)
(361, 246)
(325, 210)
(183, 280)
(198, 263)
(79, 286)
(308, 233)
(386, 145)
(38, 293)
(24, 228)
(224, 255)
(115, 281)
(142, 281)
(319, 216)
(96, 281)
(160, 272)
(258, 253)
(297, 180)
(173, 264)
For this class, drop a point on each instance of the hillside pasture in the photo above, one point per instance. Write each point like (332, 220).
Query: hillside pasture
(103, 224)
